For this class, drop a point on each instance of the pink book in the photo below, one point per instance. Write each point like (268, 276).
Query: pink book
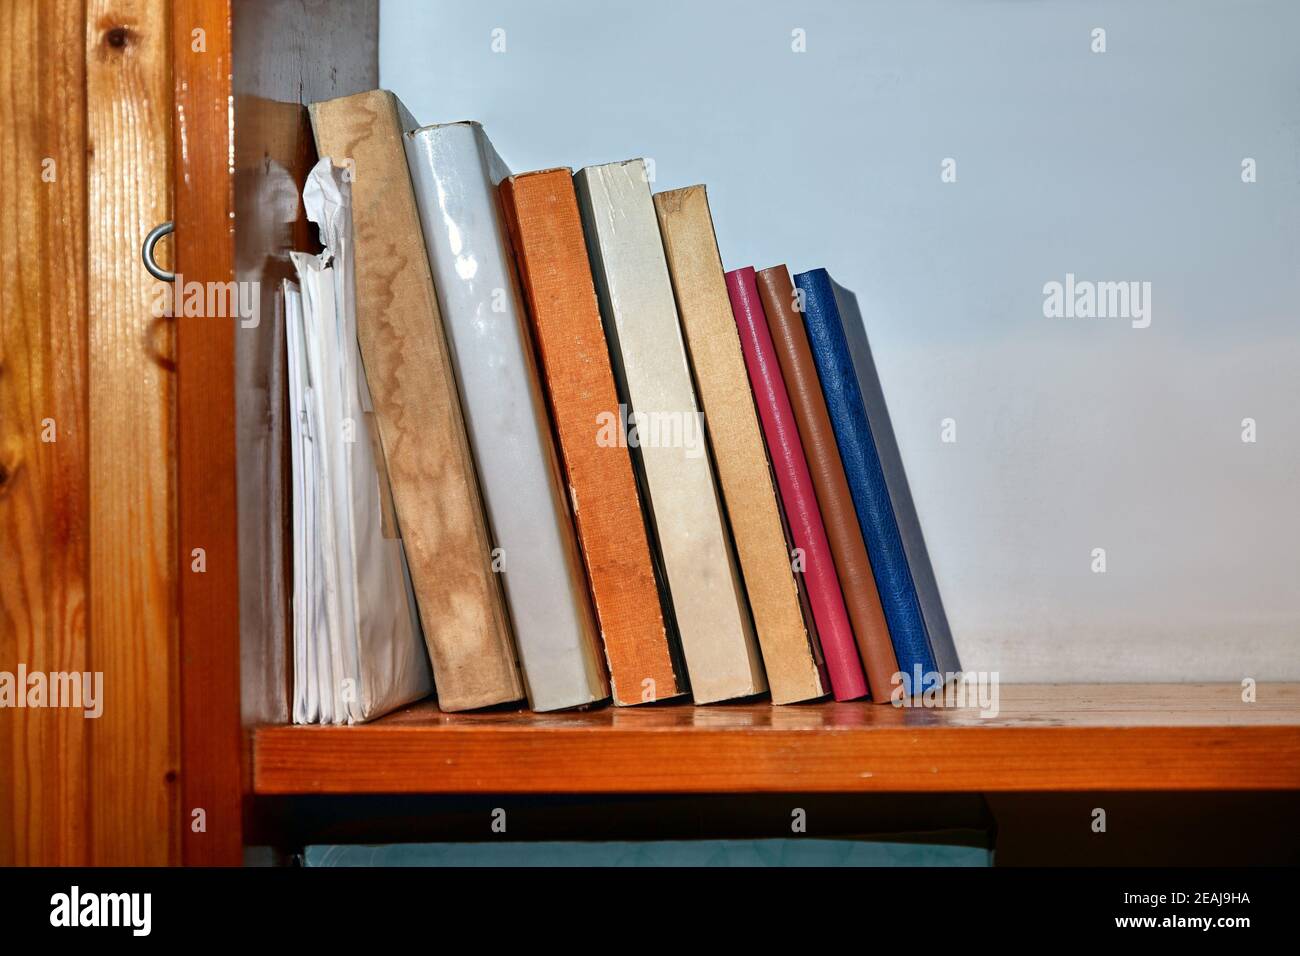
(795, 483)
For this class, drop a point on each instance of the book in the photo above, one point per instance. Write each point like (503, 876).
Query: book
(920, 648)
(409, 368)
(666, 432)
(357, 650)
(455, 172)
(777, 293)
(541, 211)
(797, 495)
(791, 657)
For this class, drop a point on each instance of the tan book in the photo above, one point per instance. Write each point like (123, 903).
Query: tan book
(789, 650)
(669, 449)
(413, 388)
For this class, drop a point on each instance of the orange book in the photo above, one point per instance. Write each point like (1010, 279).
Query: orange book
(541, 211)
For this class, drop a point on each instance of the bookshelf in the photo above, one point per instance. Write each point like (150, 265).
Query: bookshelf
(237, 751)
(149, 541)
(1045, 738)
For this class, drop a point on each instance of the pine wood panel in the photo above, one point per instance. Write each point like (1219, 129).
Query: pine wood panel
(242, 151)
(134, 745)
(44, 503)
(1045, 737)
(205, 447)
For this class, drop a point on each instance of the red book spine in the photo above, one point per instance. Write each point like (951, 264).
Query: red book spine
(795, 483)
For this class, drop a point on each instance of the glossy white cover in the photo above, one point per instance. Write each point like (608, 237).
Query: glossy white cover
(455, 172)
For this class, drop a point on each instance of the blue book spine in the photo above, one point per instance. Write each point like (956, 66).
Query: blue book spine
(865, 476)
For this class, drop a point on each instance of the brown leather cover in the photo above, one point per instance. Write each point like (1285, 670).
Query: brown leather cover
(856, 580)
(541, 212)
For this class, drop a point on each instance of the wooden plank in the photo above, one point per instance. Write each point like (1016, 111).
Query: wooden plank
(243, 149)
(44, 502)
(134, 745)
(1111, 737)
(211, 793)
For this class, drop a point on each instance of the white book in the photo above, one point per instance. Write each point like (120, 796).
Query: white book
(358, 652)
(455, 172)
(670, 453)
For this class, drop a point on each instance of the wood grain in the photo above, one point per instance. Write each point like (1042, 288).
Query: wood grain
(242, 152)
(1045, 737)
(133, 622)
(205, 459)
(44, 500)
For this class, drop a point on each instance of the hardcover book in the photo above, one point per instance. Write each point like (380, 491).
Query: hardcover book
(921, 640)
(408, 365)
(791, 657)
(666, 431)
(455, 172)
(857, 584)
(797, 495)
(541, 210)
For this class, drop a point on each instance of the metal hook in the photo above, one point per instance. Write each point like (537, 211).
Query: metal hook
(151, 240)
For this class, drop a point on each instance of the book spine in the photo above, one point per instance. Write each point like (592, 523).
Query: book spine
(541, 210)
(408, 365)
(670, 448)
(862, 467)
(455, 172)
(790, 655)
(797, 494)
(777, 294)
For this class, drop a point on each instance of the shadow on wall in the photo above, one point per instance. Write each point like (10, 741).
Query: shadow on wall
(891, 463)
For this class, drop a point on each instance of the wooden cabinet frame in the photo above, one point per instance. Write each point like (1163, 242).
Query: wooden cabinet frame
(243, 70)
(149, 540)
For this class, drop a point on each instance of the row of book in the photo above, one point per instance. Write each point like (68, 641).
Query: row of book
(614, 469)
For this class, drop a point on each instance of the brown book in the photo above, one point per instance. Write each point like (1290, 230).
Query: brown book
(790, 652)
(413, 389)
(838, 515)
(541, 211)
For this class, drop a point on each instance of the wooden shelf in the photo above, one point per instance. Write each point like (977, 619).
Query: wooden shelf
(1045, 737)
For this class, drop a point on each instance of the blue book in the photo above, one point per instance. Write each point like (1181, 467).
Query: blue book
(909, 594)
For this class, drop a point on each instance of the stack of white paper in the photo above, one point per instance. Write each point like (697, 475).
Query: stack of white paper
(357, 649)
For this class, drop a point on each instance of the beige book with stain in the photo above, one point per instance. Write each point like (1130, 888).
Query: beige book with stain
(421, 426)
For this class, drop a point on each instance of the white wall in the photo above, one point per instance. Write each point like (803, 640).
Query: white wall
(1072, 434)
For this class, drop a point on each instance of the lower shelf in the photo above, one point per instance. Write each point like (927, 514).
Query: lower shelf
(1044, 737)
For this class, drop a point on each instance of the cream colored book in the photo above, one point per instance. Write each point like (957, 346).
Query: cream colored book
(789, 650)
(666, 432)
(409, 368)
